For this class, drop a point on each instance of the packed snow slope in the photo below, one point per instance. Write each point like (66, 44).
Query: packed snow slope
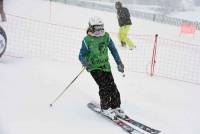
(28, 86)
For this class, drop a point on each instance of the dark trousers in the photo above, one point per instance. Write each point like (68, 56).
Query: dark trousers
(108, 92)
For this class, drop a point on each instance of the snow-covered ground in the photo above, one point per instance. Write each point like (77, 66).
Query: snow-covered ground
(70, 15)
(28, 86)
(192, 14)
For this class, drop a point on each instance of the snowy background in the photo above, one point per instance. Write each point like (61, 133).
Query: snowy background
(29, 85)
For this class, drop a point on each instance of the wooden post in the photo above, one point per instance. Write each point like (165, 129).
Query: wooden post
(3, 16)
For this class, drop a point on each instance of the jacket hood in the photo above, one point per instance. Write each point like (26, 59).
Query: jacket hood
(118, 5)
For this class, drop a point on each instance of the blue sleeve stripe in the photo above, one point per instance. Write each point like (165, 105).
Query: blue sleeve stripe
(114, 51)
(85, 44)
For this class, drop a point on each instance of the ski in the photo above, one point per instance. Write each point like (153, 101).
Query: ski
(140, 125)
(96, 108)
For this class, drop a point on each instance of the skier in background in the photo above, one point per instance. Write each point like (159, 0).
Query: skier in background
(3, 16)
(125, 23)
(94, 57)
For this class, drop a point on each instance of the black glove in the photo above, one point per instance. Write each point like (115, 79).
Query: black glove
(120, 67)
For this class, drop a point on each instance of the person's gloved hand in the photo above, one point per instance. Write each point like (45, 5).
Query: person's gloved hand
(120, 67)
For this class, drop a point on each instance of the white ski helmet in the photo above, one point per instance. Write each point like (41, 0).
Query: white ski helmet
(96, 26)
(95, 21)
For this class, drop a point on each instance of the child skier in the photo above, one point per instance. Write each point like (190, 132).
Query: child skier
(94, 57)
(125, 23)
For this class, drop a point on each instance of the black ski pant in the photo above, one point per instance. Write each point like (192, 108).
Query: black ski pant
(108, 92)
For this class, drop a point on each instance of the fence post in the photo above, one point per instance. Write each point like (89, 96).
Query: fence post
(153, 59)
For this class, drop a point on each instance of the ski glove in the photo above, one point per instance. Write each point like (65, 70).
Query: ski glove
(120, 67)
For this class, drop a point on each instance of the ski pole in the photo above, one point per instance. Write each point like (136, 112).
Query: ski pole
(66, 88)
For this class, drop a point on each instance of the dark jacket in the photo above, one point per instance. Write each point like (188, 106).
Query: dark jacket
(123, 16)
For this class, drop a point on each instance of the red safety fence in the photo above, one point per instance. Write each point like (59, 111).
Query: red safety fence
(154, 55)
